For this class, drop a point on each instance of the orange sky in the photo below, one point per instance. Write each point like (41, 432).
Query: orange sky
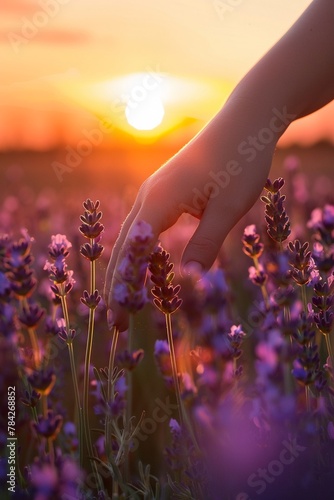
(66, 64)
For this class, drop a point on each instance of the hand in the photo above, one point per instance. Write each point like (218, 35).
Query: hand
(210, 179)
(219, 175)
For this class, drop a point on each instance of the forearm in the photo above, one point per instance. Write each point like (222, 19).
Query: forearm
(298, 72)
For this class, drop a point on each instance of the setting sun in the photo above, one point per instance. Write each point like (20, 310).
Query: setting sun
(146, 115)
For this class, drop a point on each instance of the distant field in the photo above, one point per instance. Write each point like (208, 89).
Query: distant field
(110, 171)
(114, 176)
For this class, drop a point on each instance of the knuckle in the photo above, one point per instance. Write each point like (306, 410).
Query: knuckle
(204, 243)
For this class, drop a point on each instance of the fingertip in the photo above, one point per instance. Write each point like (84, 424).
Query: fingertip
(110, 319)
(192, 268)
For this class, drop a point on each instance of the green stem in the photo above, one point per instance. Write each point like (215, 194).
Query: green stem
(88, 354)
(35, 347)
(64, 308)
(263, 287)
(182, 411)
(304, 297)
(111, 365)
(92, 274)
(74, 376)
(174, 364)
(115, 495)
(34, 414)
(129, 397)
(110, 388)
(77, 400)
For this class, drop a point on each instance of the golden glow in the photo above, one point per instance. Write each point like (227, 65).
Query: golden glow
(145, 115)
(102, 55)
(149, 104)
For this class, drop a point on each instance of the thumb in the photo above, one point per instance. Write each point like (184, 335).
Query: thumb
(203, 247)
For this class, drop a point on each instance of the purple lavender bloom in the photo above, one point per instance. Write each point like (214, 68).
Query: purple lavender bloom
(214, 288)
(121, 386)
(4, 285)
(62, 279)
(162, 357)
(303, 268)
(51, 326)
(251, 242)
(267, 353)
(257, 276)
(42, 380)
(133, 301)
(91, 227)
(61, 480)
(278, 224)
(324, 321)
(7, 319)
(130, 292)
(91, 300)
(49, 426)
(328, 216)
(129, 360)
(59, 247)
(116, 406)
(164, 292)
(141, 232)
(63, 334)
(91, 251)
(31, 399)
(31, 315)
(174, 427)
(322, 217)
(20, 251)
(16, 264)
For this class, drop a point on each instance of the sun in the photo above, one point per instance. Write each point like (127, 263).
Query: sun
(145, 115)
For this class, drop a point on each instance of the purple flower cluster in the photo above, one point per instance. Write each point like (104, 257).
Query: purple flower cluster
(91, 228)
(253, 364)
(165, 293)
(322, 225)
(278, 224)
(130, 292)
(303, 268)
(62, 279)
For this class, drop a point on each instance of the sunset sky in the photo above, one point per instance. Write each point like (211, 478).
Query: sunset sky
(70, 66)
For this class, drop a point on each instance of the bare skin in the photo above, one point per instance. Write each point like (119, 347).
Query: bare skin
(218, 176)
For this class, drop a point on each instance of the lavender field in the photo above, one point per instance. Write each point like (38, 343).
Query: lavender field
(223, 386)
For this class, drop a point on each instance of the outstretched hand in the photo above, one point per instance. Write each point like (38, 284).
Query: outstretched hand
(211, 179)
(219, 175)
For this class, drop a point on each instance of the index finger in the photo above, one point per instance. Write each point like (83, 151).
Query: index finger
(158, 217)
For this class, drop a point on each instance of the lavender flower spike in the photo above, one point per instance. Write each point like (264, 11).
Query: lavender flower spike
(130, 292)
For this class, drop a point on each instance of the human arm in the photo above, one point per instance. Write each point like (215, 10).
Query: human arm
(218, 175)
